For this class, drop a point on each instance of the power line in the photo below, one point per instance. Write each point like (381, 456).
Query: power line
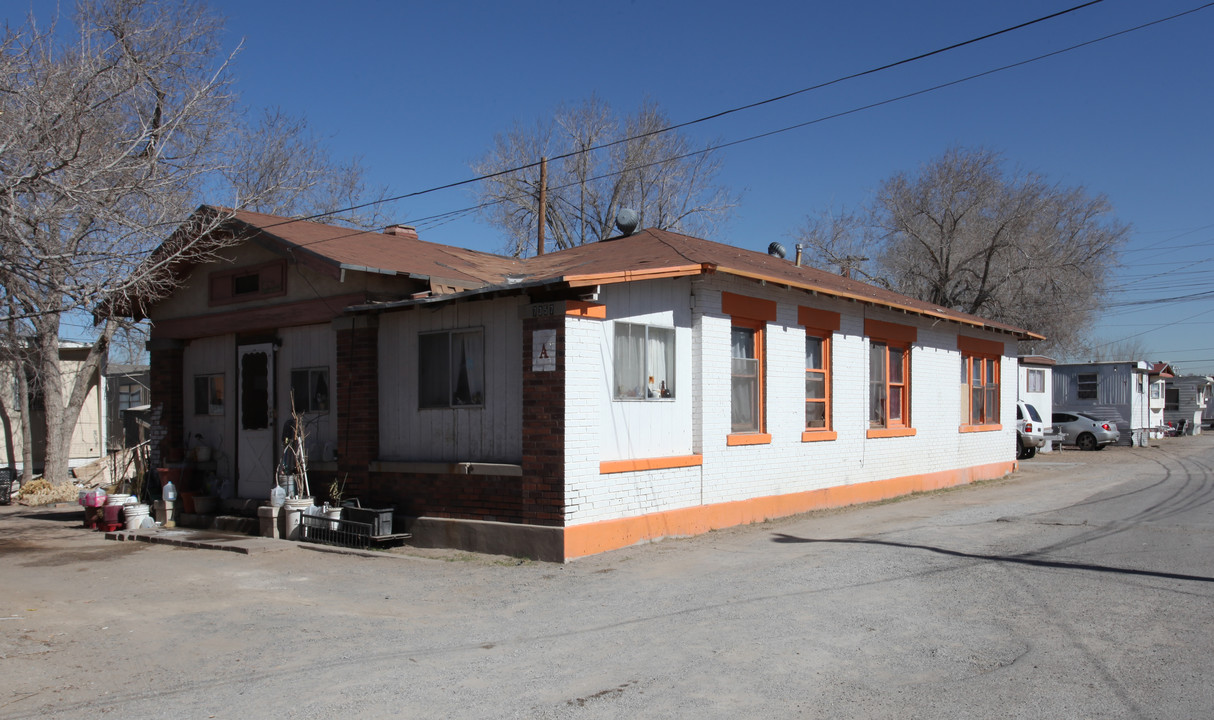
(740, 108)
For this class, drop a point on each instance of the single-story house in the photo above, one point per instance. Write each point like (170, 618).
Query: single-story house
(1036, 387)
(646, 386)
(1186, 397)
(1120, 390)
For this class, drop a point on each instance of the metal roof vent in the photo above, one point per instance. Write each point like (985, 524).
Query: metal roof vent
(627, 220)
(776, 250)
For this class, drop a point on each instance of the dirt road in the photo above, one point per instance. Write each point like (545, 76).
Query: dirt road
(1080, 587)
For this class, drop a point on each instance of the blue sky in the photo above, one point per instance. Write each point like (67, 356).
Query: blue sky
(417, 90)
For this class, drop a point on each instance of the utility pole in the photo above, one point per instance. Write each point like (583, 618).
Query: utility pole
(543, 212)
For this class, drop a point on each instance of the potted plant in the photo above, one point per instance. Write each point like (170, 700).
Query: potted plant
(333, 501)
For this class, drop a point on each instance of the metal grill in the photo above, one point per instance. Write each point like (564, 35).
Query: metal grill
(328, 531)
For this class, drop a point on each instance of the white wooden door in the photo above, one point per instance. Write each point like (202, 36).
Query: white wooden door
(256, 445)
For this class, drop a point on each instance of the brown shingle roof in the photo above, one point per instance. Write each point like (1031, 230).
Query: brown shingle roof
(644, 255)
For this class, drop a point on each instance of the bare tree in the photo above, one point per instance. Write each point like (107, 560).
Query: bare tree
(660, 175)
(104, 145)
(967, 235)
(279, 166)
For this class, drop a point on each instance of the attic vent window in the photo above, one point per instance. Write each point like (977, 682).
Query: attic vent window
(248, 283)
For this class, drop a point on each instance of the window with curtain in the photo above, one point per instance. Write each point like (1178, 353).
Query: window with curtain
(208, 394)
(746, 378)
(310, 389)
(451, 369)
(888, 385)
(980, 396)
(1035, 381)
(644, 362)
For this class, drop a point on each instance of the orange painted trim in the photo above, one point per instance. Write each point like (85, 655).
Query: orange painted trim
(580, 308)
(979, 346)
(981, 428)
(748, 307)
(881, 330)
(819, 435)
(821, 320)
(748, 439)
(891, 432)
(659, 463)
(1023, 334)
(592, 538)
(634, 275)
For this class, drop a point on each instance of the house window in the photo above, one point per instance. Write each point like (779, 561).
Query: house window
(1171, 401)
(451, 370)
(208, 394)
(1088, 384)
(1156, 390)
(129, 395)
(310, 389)
(889, 378)
(749, 318)
(644, 362)
(1034, 381)
(1138, 384)
(888, 385)
(817, 383)
(820, 326)
(746, 378)
(980, 376)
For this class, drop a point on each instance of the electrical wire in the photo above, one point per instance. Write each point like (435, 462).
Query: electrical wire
(760, 103)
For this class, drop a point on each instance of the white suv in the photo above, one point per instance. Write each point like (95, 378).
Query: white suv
(1030, 431)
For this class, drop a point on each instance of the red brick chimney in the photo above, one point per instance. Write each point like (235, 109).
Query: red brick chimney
(406, 231)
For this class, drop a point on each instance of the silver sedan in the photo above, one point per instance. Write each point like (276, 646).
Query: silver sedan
(1085, 431)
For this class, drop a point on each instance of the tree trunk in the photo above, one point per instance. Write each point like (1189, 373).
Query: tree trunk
(27, 432)
(61, 422)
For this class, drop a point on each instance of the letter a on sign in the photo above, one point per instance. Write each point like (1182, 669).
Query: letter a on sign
(543, 351)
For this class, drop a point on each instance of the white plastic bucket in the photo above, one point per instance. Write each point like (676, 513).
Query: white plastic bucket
(119, 499)
(134, 515)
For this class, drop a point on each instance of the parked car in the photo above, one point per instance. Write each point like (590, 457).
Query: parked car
(1085, 431)
(1030, 431)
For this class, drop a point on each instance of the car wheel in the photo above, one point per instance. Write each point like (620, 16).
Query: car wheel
(1029, 453)
(1019, 450)
(1086, 441)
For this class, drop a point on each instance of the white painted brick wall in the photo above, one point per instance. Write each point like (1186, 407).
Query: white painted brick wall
(786, 465)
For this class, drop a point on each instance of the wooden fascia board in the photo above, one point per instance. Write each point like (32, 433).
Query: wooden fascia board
(625, 276)
(291, 314)
(1023, 334)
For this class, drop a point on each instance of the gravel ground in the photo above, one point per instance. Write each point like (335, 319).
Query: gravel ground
(1079, 587)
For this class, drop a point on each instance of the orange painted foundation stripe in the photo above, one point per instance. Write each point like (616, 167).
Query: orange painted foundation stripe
(660, 463)
(592, 538)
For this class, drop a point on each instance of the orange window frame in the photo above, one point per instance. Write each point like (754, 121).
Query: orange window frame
(899, 387)
(988, 368)
(824, 373)
(760, 408)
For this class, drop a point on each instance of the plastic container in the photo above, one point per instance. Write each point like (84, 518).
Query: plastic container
(278, 496)
(170, 491)
(94, 498)
(119, 499)
(134, 515)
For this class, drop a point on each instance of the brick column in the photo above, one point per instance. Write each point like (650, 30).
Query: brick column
(167, 396)
(357, 400)
(543, 481)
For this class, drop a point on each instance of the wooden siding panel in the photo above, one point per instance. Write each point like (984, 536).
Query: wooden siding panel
(492, 433)
(311, 346)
